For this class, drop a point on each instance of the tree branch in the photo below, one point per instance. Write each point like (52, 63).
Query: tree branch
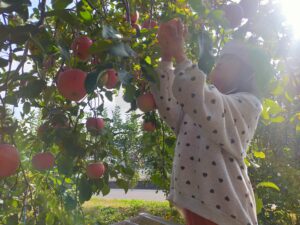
(42, 7)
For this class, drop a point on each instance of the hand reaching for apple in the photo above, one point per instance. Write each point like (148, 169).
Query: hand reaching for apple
(171, 37)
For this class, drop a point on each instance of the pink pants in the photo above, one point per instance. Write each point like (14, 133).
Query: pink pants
(194, 219)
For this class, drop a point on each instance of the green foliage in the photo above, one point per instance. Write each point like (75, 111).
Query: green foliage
(35, 46)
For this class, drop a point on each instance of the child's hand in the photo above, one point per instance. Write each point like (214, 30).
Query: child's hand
(171, 40)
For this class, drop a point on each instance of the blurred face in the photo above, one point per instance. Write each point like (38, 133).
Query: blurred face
(226, 73)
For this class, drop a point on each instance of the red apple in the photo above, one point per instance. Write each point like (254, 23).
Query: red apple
(43, 161)
(94, 124)
(71, 84)
(234, 14)
(112, 79)
(80, 47)
(149, 126)
(146, 102)
(9, 160)
(134, 17)
(149, 24)
(250, 7)
(95, 170)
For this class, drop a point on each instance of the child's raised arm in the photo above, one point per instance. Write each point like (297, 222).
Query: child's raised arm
(168, 108)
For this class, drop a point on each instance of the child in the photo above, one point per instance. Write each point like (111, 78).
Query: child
(214, 124)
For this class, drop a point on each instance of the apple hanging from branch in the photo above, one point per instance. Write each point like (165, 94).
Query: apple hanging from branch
(110, 78)
(80, 47)
(94, 125)
(95, 170)
(146, 102)
(149, 126)
(71, 84)
(9, 160)
(149, 24)
(43, 161)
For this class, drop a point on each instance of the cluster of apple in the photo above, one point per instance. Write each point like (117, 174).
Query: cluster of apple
(147, 24)
(146, 103)
(235, 12)
(10, 162)
(71, 82)
(71, 85)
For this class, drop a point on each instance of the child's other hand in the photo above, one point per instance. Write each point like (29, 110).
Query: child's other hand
(171, 40)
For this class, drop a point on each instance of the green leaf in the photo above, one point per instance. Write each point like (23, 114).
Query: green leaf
(268, 185)
(100, 46)
(298, 128)
(105, 190)
(259, 204)
(206, 61)
(197, 6)
(260, 155)
(129, 94)
(122, 50)
(125, 77)
(109, 95)
(50, 218)
(129, 171)
(149, 72)
(272, 107)
(26, 107)
(70, 202)
(108, 32)
(148, 60)
(288, 97)
(11, 99)
(18, 34)
(278, 119)
(33, 89)
(85, 190)
(86, 15)
(3, 62)
(61, 4)
(122, 184)
(91, 81)
(65, 166)
(12, 219)
(66, 16)
(170, 141)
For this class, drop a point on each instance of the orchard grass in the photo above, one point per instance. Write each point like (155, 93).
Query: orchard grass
(108, 211)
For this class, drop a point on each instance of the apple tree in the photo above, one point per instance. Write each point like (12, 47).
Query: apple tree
(62, 60)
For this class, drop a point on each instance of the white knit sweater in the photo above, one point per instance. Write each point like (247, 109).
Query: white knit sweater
(213, 131)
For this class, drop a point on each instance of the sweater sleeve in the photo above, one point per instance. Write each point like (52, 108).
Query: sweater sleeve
(229, 120)
(168, 108)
